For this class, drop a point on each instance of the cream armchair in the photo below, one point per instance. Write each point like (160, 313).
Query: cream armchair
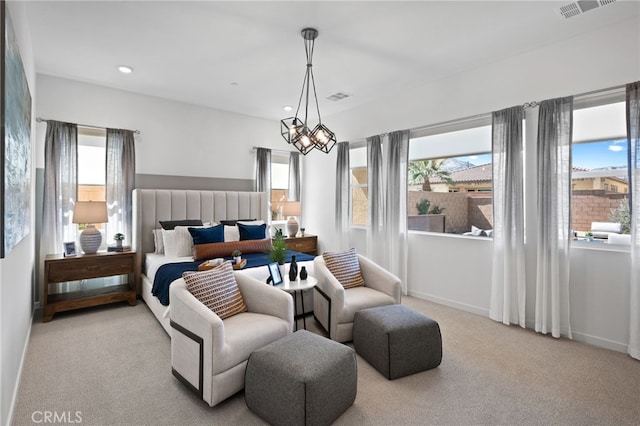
(334, 306)
(209, 355)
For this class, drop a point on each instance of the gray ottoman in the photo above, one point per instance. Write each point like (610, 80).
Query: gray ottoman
(301, 379)
(396, 340)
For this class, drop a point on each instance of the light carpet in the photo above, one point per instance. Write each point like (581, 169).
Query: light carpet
(112, 366)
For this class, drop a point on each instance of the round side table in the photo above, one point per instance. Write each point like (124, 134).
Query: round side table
(294, 287)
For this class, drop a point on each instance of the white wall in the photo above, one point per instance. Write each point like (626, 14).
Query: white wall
(17, 268)
(176, 138)
(455, 270)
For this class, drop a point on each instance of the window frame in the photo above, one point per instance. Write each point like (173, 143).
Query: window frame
(476, 122)
(612, 96)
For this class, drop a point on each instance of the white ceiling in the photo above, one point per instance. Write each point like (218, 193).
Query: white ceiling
(248, 57)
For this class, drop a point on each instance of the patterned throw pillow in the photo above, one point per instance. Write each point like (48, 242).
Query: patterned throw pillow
(217, 289)
(345, 267)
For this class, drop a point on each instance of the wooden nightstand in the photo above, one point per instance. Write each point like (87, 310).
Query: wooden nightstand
(307, 244)
(59, 269)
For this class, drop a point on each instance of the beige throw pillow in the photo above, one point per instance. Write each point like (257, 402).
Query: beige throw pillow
(345, 267)
(217, 289)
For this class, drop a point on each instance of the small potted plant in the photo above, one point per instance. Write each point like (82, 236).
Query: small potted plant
(118, 237)
(237, 256)
(589, 235)
(278, 251)
(302, 232)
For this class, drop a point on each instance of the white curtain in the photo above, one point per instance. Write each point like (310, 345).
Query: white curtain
(294, 177)
(555, 124)
(633, 135)
(396, 158)
(120, 182)
(343, 197)
(387, 163)
(263, 175)
(60, 190)
(508, 284)
(60, 186)
(375, 187)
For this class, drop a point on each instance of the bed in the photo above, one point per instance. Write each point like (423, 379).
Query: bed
(153, 205)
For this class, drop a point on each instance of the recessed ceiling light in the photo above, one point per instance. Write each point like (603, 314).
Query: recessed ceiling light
(125, 69)
(287, 107)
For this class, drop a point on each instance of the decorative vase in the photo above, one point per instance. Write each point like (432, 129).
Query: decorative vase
(292, 227)
(293, 269)
(303, 273)
(118, 243)
(90, 240)
(237, 259)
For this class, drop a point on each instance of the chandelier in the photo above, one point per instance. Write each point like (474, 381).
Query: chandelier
(295, 131)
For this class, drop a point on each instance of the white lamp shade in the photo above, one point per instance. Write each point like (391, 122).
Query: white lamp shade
(291, 208)
(90, 212)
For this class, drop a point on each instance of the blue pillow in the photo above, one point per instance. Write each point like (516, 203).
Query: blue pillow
(252, 232)
(214, 234)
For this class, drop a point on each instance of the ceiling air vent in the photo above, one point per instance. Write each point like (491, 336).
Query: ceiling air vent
(579, 7)
(338, 96)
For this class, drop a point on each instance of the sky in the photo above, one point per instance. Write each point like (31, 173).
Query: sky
(588, 155)
(600, 154)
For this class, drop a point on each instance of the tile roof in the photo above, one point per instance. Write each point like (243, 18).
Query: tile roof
(480, 173)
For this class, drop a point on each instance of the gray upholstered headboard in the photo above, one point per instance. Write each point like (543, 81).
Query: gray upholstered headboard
(153, 205)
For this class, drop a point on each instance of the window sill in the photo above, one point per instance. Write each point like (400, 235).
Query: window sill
(602, 246)
(448, 235)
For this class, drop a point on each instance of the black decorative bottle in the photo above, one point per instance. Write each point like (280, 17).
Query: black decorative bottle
(293, 269)
(303, 273)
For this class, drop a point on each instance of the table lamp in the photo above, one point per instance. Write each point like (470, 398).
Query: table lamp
(90, 213)
(291, 209)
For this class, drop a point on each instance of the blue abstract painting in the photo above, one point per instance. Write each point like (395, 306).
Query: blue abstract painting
(17, 143)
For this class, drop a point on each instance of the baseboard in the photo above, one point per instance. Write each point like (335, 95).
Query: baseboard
(14, 397)
(451, 303)
(599, 342)
(577, 336)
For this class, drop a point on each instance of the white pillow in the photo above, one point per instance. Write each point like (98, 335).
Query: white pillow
(158, 241)
(169, 242)
(476, 231)
(231, 233)
(178, 242)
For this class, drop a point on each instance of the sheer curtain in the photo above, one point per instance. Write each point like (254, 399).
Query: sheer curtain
(263, 175)
(343, 196)
(60, 186)
(120, 182)
(633, 134)
(508, 284)
(375, 187)
(555, 124)
(396, 158)
(294, 176)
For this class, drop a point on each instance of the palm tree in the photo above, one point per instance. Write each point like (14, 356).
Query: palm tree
(423, 170)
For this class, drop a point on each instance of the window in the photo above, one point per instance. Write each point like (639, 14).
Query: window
(600, 183)
(91, 164)
(279, 184)
(450, 181)
(92, 154)
(359, 188)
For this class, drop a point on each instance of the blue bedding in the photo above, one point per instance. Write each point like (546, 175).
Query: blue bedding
(170, 272)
